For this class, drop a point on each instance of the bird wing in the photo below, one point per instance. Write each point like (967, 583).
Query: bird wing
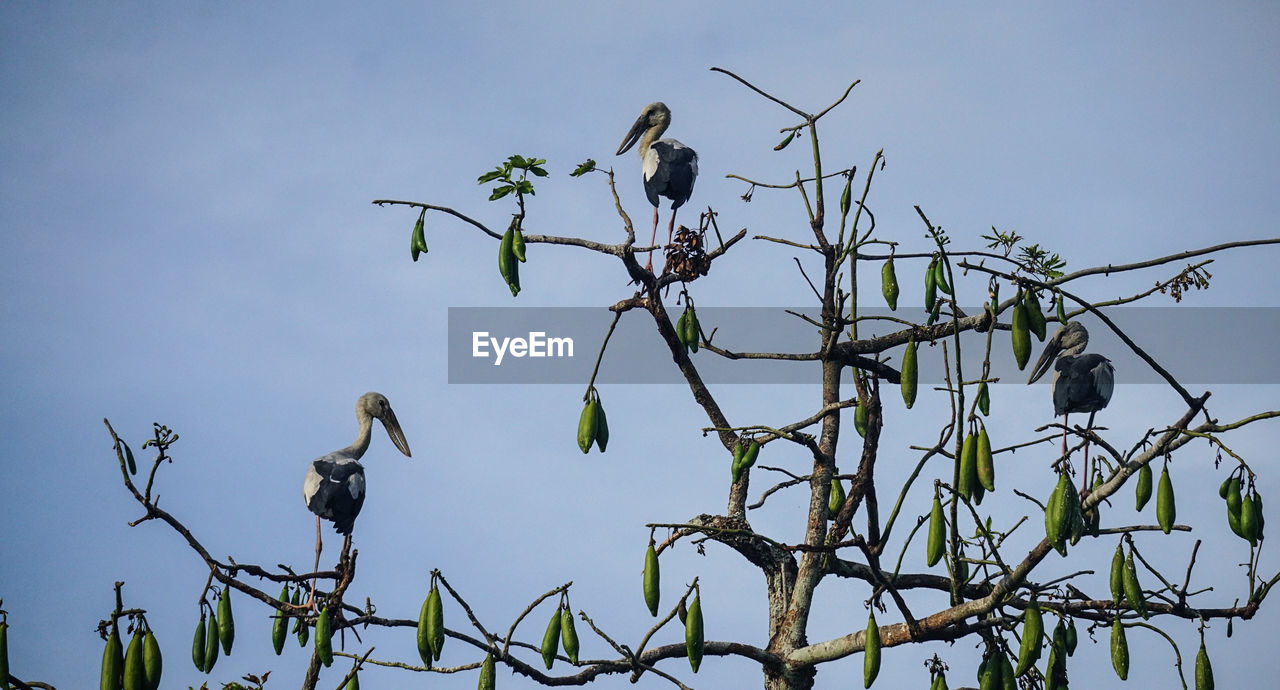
(334, 489)
(670, 171)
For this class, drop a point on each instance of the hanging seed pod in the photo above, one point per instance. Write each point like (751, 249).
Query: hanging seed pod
(353, 683)
(749, 456)
(930, 285)
(937, 542)
(861, 419)
(587, 426)
(844, 206)
(280, 623)
(1008, 681)
(846, 195)
(488, 673)
(517, 244)
(889, 284)
(551, 640)
(211, 644)
(198, 645)
(652, 591)
(508, 266)
(602, 426)
(985, 463)
(226, 624)
(435, 622)
(134, 677)
(1055, 514)
(300, 626)
(940, 276)
(871, 655)
(836, 500)
(693, 635)
(424, 632)
(939, 682)
(1072, 638)
(1166, 511)
(738, 451)
(1117, 576)
(1073, 515)
(984, 399)
(1143, 491)
(968, 466)
(1257, 511)
(1035, 317)
(1133, 589)
(909, 374)
(1119, 650)
(1061, 309)
(1234, 506)
(152, 660)
(1032, 631)
(1249, 520)
(1021, 334)
(682, 327)
(1222, 488)
(568, 636)
(112, 662)
(418, 240)
(133, 469)
(324, 638)
(1204, 670)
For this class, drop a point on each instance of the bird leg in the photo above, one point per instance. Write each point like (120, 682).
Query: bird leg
(649, 266)
(1084, 483)
(311, 604)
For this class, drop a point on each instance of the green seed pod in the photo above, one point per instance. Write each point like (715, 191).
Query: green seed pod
(1054, 514)
(909, 374)
(587, 427)
(568, 636)
(1117, 576)
(1224, 486)
(133, 469)
(836, 499)
(226, 624)
(693, 635)
(1249, 520)
(198, 645)
(508, 266)
(517, 245)
(1073, 515)
(1032, 631)
(1119, 650)
(1072, 638)
(1035, 317)
(1166, 511)
(1021, 334)
(968, 466)
(985, 463)
(1257, 511)
(930, 285)
(692, 331)
(300, 626)
(112, 662)
(1234, 506)
(940, 276)
(418, 240)
(937, 541)
(324, 638)
(739, 451)
(211, 644)
(353, 683)
(1062, 309)
(435, 622)
(984, 399)
(602, 426)
(280, 623)
(1204, 670)
(488, 673)
(424, 637)
(861, 419)
(1008, 680)
(152, 660)
(750, 454)
(134, 675)
(1133, 589)
(845, 196)
(551, 640)
(939, 682)
(889, 284)
(844, 206)
(652, 591)
(871, 655)
(1143, 491)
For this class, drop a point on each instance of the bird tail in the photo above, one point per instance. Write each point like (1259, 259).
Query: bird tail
(344, 527)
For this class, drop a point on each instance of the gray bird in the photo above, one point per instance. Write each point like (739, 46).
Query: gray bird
(670, 168)
(334, 487)
(1081, 382)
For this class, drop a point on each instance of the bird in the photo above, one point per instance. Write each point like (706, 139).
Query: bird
(334, 487)
(670, 168)
(1081, 382)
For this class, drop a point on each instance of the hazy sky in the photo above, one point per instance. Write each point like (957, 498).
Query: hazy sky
(185, 213)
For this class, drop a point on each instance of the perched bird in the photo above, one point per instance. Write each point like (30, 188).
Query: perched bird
(334, 485)
(669, 167)
(1081, 382)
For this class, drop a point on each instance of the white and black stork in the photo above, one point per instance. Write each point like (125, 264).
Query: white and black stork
(670, 168)
(334, 486)
(1081, 382)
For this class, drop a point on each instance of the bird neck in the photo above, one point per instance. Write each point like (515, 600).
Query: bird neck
(650, 135)
(357, 449)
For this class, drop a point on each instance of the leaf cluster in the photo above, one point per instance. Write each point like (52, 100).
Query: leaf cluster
(505, 172)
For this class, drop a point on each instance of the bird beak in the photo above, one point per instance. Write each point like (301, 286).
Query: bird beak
(1051, 350)
(397, 435)
(642, 123)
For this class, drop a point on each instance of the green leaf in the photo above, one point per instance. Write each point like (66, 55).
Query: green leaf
(518, 162)
(499, 192)
(586, 167)
(525, 187)
(490, 176)
(538, 171)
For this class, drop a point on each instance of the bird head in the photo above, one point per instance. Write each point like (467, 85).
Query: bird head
(377, 406)
(655, 118)
(1070, 339)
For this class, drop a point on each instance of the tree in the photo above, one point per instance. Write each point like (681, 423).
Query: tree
(999, 580)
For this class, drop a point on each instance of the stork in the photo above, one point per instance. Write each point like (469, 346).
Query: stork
(334, 485)
(1081, 382)
(669, 167)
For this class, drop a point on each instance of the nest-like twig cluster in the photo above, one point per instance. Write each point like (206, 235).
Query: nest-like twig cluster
(687, 254)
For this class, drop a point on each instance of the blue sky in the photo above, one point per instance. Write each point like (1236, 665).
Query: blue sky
(185, 213)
